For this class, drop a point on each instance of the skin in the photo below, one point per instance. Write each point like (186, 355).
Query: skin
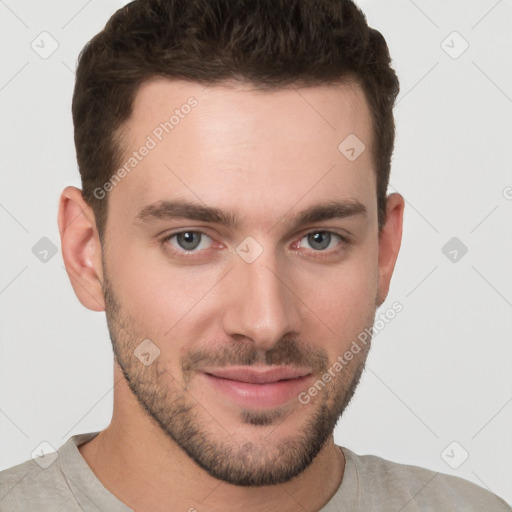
(265, 156)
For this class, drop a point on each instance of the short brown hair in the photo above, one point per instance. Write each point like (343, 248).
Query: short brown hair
(267, 43)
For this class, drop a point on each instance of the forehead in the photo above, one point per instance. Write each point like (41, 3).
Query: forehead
(249, 115)
(230, 145)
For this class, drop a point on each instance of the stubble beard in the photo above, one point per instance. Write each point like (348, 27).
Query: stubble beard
(252, 460)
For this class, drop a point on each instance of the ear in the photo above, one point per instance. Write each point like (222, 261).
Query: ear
(390, 238)
(81, 248)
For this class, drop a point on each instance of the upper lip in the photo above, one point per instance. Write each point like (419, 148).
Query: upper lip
(258, 375)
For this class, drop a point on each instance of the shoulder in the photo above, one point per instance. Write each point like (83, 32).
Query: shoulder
(416, 488)
(20, 484)
(37, 482)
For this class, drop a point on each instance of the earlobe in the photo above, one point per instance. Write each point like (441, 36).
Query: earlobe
(81, 248)
(390, 239)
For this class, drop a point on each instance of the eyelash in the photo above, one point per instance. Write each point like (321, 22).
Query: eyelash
(344, 241)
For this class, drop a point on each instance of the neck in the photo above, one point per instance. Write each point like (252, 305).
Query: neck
(149, 472)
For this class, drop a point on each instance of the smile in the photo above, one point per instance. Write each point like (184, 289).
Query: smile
(265, 387)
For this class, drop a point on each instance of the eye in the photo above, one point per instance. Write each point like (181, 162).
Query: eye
(188, 241)
(322, 240)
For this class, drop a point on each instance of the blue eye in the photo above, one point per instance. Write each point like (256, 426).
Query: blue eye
(193, 243)
(321, 240)
(188, 240)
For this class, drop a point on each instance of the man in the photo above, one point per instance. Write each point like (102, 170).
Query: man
(235, 228)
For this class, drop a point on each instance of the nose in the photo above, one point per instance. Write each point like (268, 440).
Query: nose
(262, 305)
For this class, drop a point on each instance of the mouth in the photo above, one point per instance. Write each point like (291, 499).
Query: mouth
(258, 387)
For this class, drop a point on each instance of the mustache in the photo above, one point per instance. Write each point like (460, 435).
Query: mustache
(287, 351)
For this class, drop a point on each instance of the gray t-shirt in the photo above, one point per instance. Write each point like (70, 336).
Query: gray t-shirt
(369, 483)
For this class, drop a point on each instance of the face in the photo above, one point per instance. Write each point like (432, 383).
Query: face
(244, 245)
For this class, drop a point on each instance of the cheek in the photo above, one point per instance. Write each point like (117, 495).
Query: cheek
(343, 300)
(158, 297)
(166, 302)
(352, 284)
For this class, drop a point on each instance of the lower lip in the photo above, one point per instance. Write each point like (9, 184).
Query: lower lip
(246, 394)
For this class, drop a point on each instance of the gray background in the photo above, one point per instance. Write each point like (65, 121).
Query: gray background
(439, 373)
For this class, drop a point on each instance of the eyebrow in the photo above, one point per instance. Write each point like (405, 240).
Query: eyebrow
(169, 210)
